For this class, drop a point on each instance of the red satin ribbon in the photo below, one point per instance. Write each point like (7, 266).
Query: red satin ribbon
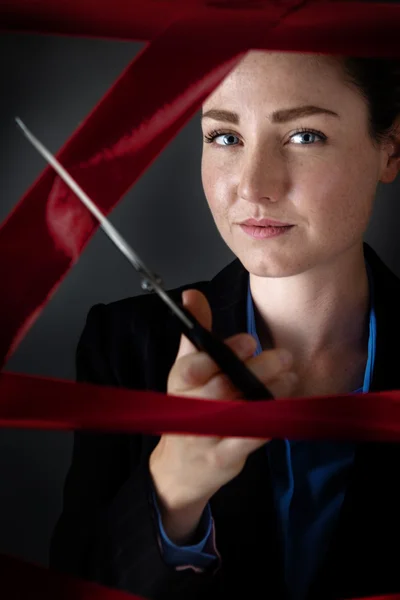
(145, 20)
(21, 580)
(41, 403)
(45, 234)
(29, 402)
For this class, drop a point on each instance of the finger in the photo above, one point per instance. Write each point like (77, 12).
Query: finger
(270, 363)
(196, 370)
(220, 387)
(199, 370)
(284, 386)
(197, 304)
(272, 368)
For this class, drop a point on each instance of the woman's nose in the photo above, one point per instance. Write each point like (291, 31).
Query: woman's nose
(263, 176)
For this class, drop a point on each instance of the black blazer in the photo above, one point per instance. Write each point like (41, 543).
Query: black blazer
(107, 531)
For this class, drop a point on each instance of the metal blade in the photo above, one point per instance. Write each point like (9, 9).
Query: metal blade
(150, 281)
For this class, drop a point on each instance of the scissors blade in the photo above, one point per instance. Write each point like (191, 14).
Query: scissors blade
(150, 281)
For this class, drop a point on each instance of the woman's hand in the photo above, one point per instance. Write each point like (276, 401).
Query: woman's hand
(187, 470)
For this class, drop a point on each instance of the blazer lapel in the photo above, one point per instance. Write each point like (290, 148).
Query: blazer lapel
(361, 560)
(227, 296)
(243, 509)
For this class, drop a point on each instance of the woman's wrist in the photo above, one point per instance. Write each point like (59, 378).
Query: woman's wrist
(182, 525)
(180, 512)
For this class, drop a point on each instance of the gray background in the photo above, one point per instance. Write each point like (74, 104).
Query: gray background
(52, 83)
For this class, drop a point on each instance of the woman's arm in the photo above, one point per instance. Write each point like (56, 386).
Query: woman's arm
(108, 530)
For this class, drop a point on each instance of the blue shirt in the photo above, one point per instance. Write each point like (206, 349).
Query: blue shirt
(309, 481)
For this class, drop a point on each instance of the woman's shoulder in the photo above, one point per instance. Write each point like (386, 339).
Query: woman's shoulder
(385, 286)
(121, 340)
(133, 342)
(122, 317)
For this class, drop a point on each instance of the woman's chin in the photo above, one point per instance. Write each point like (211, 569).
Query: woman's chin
(270, 266)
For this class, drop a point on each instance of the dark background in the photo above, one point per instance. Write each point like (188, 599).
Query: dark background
(52, 83)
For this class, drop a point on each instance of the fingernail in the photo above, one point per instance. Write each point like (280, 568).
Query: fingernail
(248, 347)
(244, 347)
(285, 357)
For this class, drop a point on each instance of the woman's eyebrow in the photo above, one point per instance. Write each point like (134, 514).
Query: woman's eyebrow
(221, 115)
(280, 116)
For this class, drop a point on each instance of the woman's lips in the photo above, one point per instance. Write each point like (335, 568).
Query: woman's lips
(258, 232)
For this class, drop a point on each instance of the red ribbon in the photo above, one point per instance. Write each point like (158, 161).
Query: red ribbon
(141, 113)
(28, 402)
(137, 118)
(21, 580)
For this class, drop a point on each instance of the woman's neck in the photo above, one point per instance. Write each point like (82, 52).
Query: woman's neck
(318, 312)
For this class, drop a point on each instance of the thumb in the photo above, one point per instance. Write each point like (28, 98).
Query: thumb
(197, 304)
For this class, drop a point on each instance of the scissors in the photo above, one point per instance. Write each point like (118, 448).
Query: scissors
(241, 377)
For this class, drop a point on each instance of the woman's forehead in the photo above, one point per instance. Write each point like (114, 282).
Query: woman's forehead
(264, 62)
(274, 76)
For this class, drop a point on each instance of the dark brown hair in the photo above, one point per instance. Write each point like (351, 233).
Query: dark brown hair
(378, 80)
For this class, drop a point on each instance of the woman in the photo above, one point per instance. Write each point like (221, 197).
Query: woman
(294, 147)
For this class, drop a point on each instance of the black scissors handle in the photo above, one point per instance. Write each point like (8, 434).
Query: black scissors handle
(241, 377)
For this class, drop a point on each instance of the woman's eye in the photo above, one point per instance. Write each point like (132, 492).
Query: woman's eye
(228, 139)
(307, 137)
(222, 139)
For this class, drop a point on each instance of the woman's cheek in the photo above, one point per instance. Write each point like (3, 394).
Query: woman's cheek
(219, 207)
(338, 203)
(218, 189)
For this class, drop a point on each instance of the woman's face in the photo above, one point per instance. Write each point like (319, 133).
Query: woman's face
(286, 138)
